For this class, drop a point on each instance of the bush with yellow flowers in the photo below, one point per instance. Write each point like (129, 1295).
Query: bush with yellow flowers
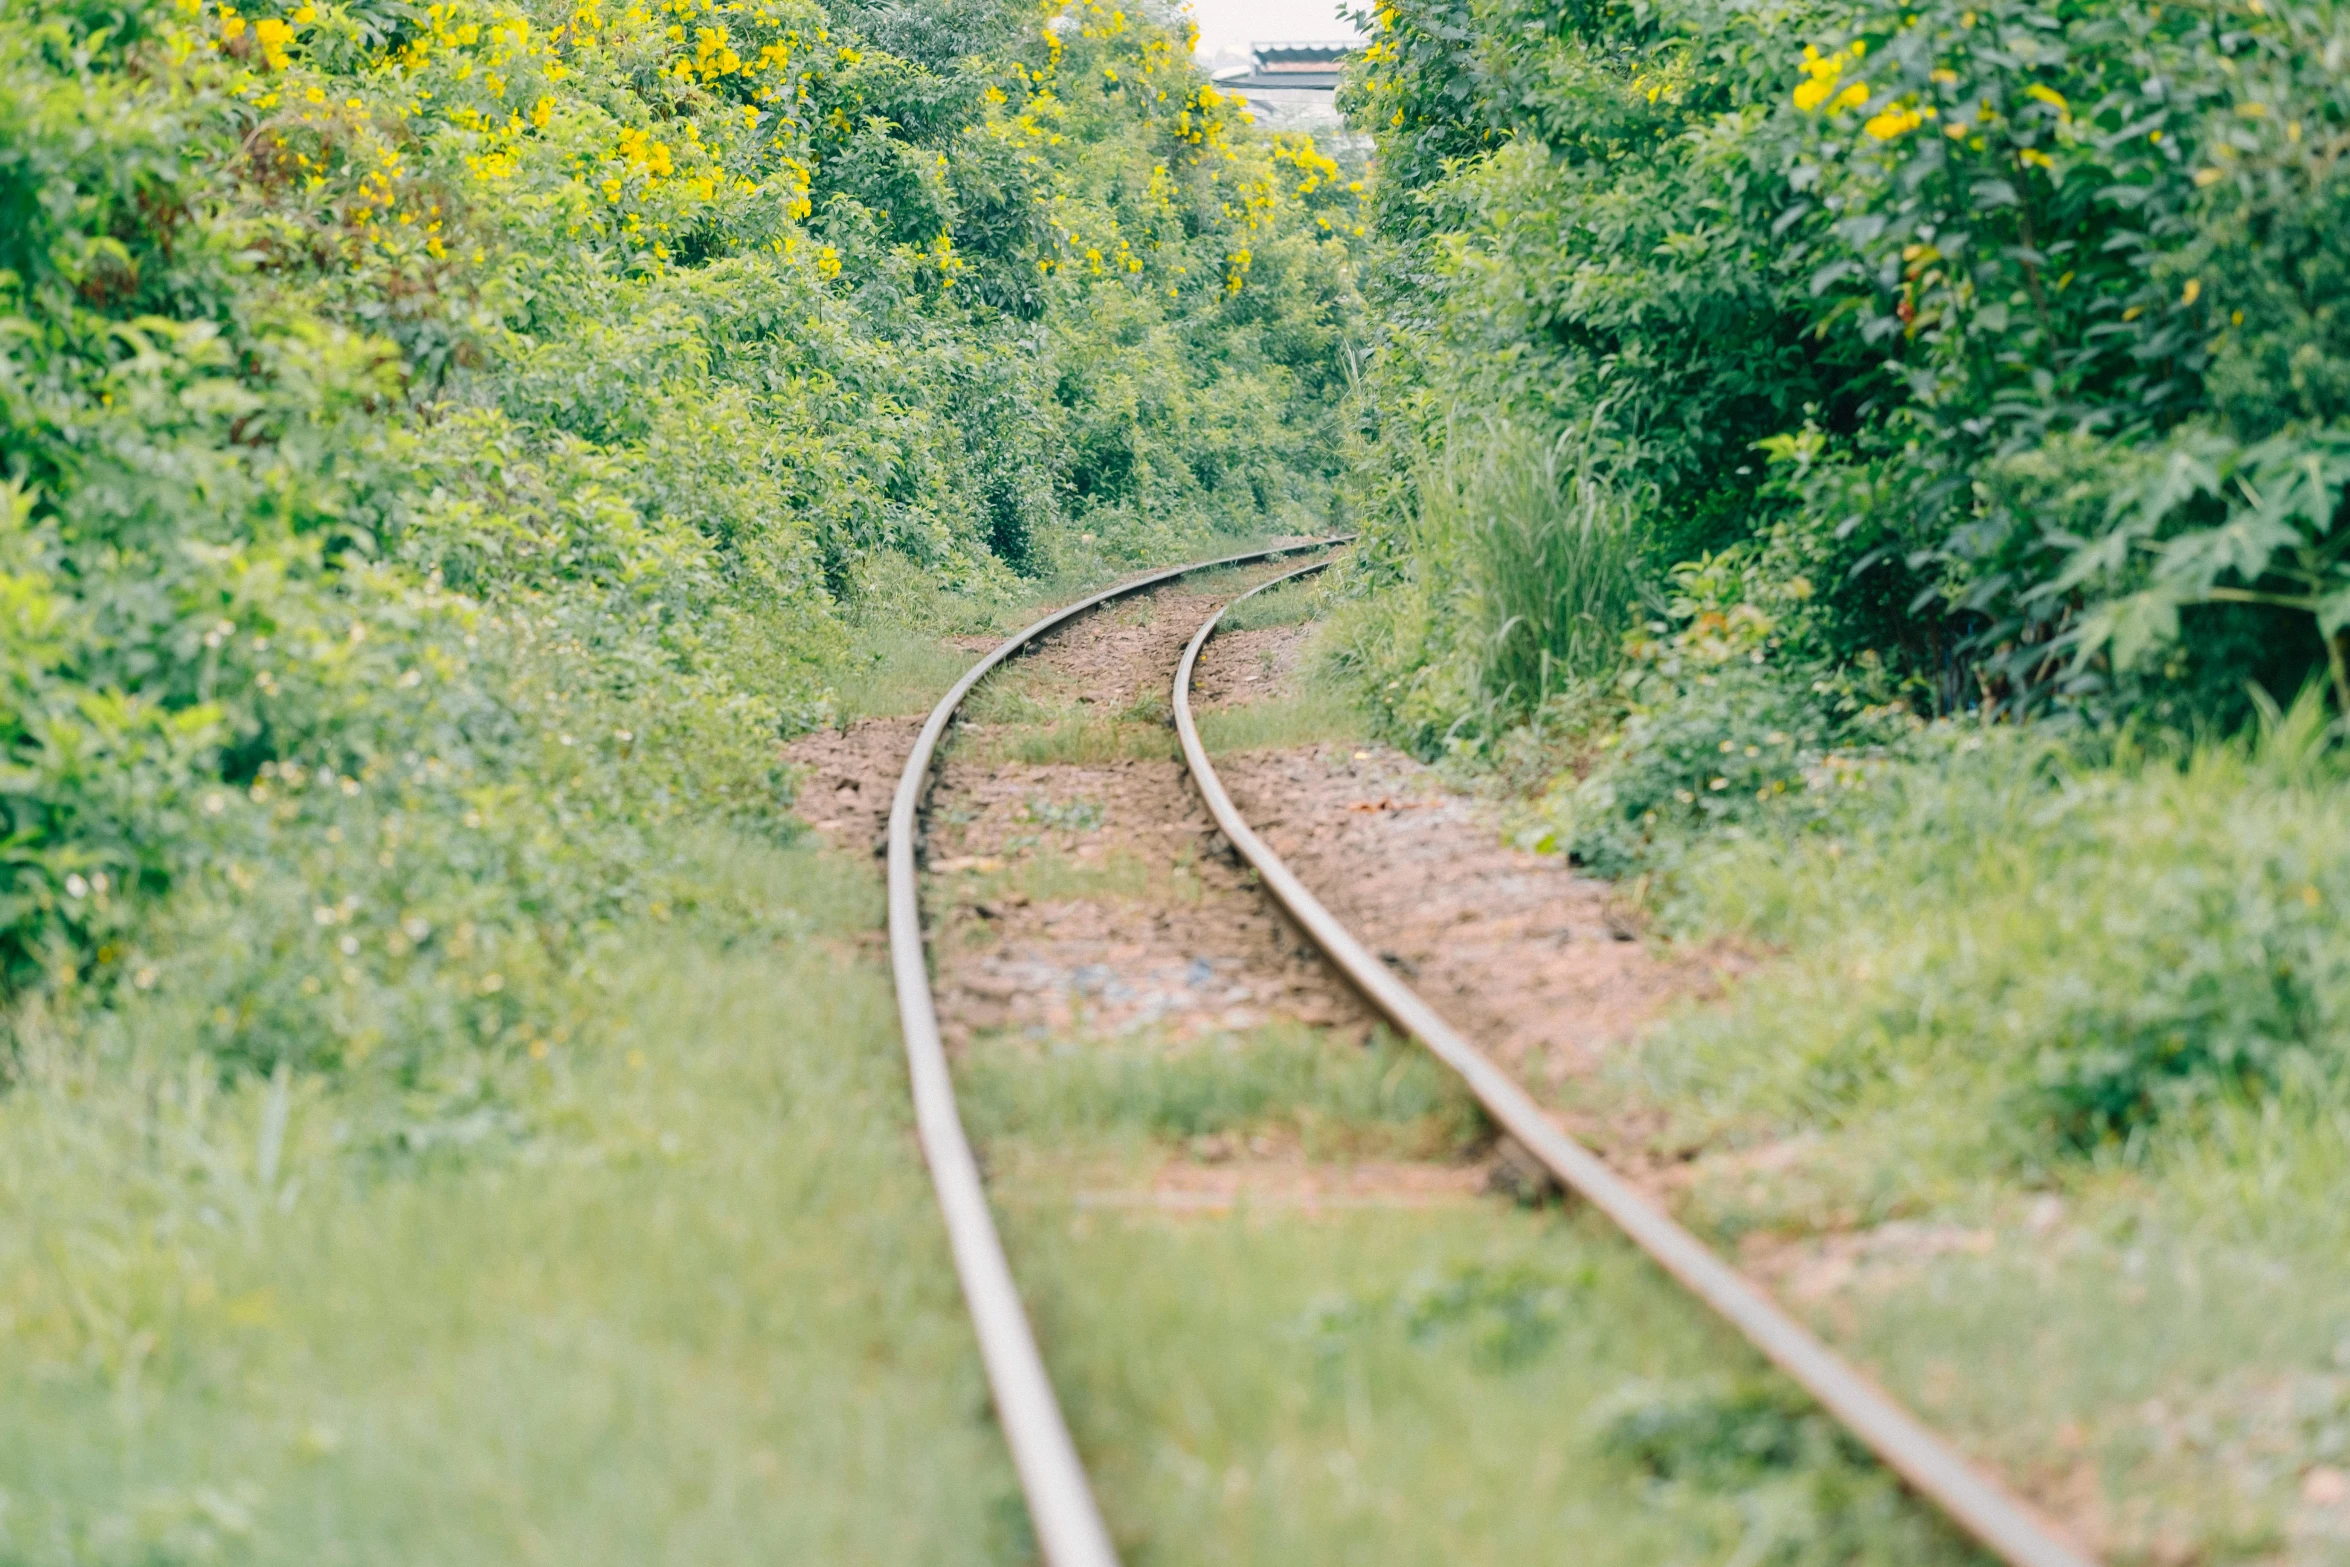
(441, 441)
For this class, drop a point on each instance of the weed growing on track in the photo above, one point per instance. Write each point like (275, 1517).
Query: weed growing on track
(1385, 1098)
(1137, 734)
(1286, 605)
(1313, 708)
(1319, 712)
(1047, 873)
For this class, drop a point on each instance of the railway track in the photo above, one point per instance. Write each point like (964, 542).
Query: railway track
(1067, 1522)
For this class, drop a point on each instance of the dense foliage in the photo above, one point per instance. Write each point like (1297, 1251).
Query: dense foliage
(442, 443)
(1972, 361)
(2010, 336)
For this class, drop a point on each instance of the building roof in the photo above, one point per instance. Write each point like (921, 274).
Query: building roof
(1301, 56)
(1297, 67)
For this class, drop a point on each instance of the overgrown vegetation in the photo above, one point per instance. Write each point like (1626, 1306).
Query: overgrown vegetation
(1936, 370)
(403, 406)
(448, 449)
(2090, 955)
(2002, 337)
(1284, 1326)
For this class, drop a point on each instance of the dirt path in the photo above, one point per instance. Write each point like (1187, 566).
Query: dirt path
(1530, 959)
(1525, 956)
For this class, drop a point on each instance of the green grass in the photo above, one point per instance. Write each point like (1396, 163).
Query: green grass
(892, 671)
(1470, 1384)
(1317, 715)
(1076, 742)
(677, 1293)
(1287, 605)
(1464, 1386)
(1031, 715)
(1051, 873)
(1318, 708)
(2095, 1013)
(1030, 700)
(1384, 1098)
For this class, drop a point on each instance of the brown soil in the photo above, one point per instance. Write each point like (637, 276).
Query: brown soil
(847, 777)
(1239, 667)
(1517, 950)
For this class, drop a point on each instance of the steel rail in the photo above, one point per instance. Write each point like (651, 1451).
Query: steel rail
(1968, 1498)
(1068, 1525)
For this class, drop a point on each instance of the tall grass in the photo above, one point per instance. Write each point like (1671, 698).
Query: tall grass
(1521, 571)
(1547, 560)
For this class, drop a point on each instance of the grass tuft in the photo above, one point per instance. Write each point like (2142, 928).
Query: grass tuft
(1342, 1099)
(1317, 715)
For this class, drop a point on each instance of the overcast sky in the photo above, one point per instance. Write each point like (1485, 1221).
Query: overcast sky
(1235, 24)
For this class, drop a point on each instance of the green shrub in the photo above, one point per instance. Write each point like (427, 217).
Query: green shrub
(2061, 952)
(1856, 282)
(1724, 720)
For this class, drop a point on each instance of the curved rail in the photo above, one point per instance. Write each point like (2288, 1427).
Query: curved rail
(1971, 1500)
(1069, 1529)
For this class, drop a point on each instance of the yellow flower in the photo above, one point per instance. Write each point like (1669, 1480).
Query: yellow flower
(1820, 78)
(1821, 75)
(273, 36)
(2051, 97)
(828, 263)
(1893, 122)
